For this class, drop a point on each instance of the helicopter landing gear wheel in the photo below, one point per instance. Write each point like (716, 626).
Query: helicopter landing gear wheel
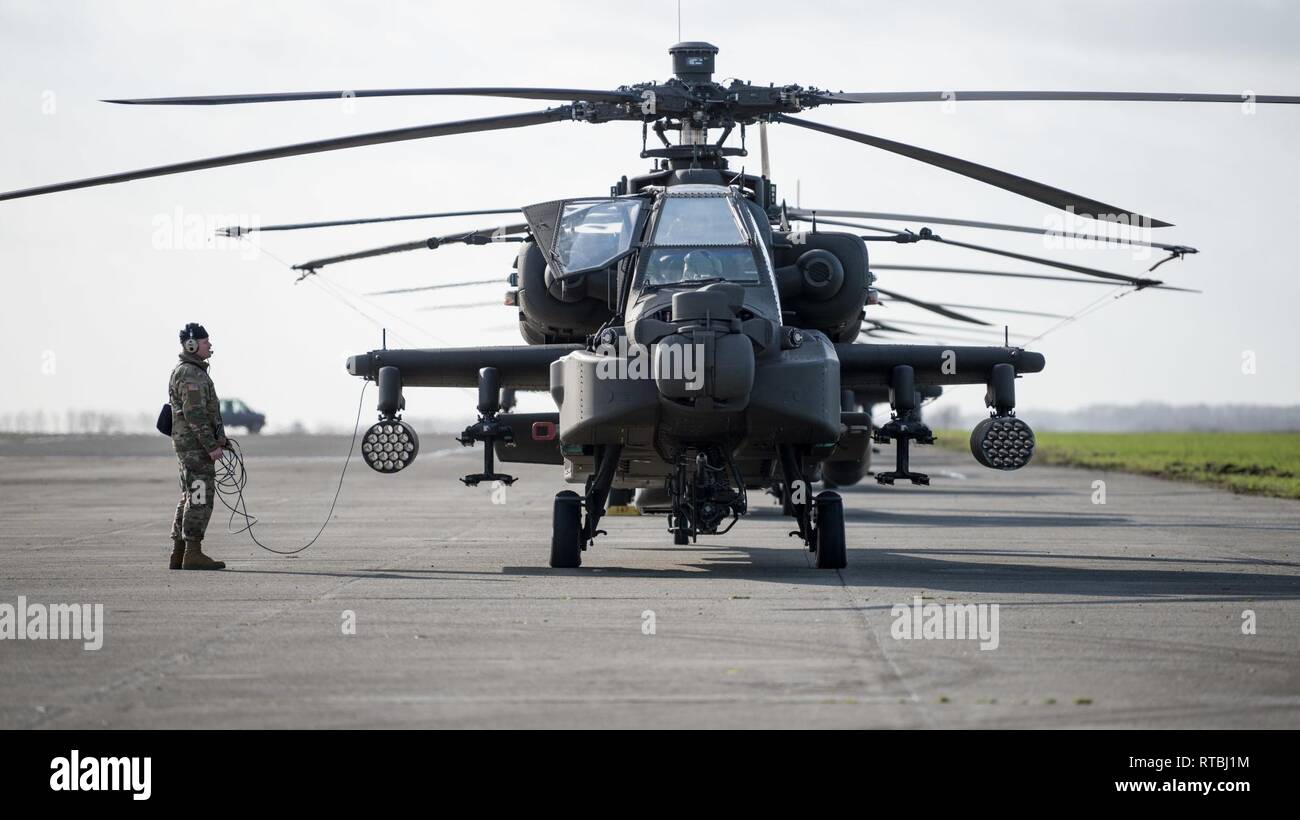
(566, 530)
(828, 531)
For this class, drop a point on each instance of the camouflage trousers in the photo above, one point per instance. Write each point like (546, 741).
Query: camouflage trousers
(198, 496)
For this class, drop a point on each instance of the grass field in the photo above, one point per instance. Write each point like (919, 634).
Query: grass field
(1258, 463)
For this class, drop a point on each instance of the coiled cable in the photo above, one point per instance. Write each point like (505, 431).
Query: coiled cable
(232, 477)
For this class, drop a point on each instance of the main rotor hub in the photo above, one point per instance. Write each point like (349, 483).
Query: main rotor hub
(693, 62)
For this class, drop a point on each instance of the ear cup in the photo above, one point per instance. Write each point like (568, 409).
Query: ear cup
(189, 338)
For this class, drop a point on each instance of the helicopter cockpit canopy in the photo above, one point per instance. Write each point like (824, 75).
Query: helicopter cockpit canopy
(582, 235)
(700, 235)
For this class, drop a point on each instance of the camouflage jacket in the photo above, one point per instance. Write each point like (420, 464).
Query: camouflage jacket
(196, 411)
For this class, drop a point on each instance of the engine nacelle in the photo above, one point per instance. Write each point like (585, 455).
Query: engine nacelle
(823, 278)
(552, 312)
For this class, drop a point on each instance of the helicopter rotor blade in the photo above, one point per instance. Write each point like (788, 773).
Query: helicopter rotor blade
(937, 336)
(497, 303)
(886, 335)
(932, 337)
(808, 214)
(992, 309)
(560, 94)
(496, 123)
(934, 307)
(479, 237)
(1057, 198)
(1038, 276)
(1114, 96)
(444, 286)
(888, 328)
(989, 308)
(928, 236)
(977, 331)
(1024, 257)
(240, 231)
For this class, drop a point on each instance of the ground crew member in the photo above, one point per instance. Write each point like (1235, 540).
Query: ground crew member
(198, 437)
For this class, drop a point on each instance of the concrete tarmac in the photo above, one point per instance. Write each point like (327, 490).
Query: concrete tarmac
(1123, 614)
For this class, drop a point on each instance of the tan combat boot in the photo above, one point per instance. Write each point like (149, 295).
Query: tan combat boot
(195, 559)
(178, 553)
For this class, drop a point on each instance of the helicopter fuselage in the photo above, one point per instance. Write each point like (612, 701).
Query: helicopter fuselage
(701, 362)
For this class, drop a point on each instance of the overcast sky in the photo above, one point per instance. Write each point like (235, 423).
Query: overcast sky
(97, 282)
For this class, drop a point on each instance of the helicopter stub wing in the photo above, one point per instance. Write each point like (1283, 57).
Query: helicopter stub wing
(522, 367)
(870, 365)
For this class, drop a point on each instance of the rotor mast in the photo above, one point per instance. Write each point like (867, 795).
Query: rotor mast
(693, 65)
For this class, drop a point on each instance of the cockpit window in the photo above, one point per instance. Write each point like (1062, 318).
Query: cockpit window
(698, 220)
(698, 239)
(593, 233)
(670, 266)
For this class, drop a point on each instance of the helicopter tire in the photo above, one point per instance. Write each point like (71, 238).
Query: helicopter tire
(566, 530)
(828, 532)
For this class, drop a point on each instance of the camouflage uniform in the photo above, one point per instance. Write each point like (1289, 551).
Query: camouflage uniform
(196, 431)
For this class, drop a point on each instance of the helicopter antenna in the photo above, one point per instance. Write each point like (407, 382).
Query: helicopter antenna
(679, 21)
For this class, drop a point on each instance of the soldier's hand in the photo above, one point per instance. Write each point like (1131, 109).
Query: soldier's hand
(216, 454)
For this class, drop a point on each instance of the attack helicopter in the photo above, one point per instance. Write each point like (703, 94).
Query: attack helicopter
(700, 338)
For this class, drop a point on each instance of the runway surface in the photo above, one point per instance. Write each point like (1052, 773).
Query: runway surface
(1127, 614)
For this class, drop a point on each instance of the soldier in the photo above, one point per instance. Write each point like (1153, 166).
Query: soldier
(199, 439)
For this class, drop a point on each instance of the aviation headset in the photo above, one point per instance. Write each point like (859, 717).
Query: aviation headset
(190, 336)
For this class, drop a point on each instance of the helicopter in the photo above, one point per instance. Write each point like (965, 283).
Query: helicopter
(700, 338)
